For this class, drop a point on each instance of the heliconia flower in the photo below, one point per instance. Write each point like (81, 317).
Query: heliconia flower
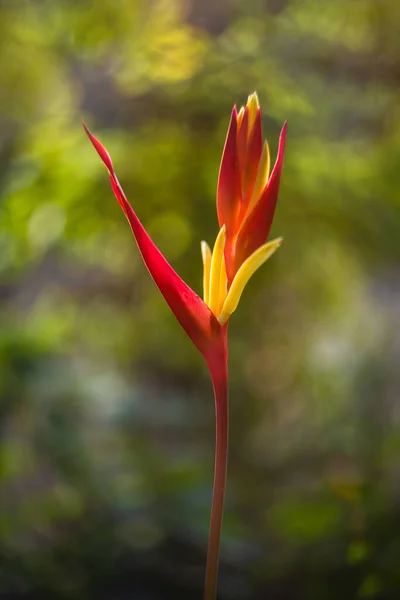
(246, 199)
(247, 193)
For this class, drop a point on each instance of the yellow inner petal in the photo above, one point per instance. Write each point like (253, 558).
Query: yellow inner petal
(253, 105)
(206, 256)
(223, 286)
(215, 270)
(248, 268)
(216, 295)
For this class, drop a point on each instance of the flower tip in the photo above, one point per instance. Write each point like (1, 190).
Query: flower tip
(253, 99)
(253, 108)
(101, 151)
(205, 250)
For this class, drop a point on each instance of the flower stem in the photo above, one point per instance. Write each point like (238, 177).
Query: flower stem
(219, 374)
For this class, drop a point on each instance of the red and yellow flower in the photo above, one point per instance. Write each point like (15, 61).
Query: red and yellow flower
(246, 199)
(247, 194)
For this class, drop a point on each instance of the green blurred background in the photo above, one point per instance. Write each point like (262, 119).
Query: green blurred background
(106, 409)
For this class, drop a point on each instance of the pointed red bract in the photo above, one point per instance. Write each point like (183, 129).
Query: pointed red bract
(192, 313)
(253, 155)
(256, 228)
(101, 150)
(228, 191)
(242, 137)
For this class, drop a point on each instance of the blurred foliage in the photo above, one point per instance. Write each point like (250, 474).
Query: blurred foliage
(106, 430)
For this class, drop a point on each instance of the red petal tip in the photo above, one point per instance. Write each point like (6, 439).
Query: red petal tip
(281, 145)
(101, 151)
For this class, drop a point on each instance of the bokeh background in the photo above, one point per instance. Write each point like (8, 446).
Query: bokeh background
(106, 409)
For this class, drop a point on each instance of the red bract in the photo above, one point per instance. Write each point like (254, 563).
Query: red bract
(246, 201)
(192, 313)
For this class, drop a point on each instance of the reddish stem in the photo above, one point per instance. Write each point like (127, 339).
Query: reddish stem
(218, 366)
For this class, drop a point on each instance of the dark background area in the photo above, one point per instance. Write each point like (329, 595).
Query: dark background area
(106, 409)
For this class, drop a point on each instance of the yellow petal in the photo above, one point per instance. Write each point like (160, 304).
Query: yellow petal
(215, 270)
(206, 256)
(262, 177)
(223, 285)
(253, 106)
(243, 275)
